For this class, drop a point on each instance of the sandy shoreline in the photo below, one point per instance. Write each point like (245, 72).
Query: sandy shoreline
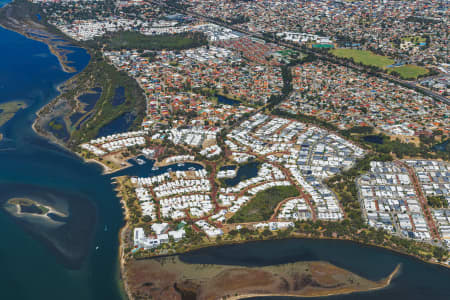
(50, 210)
(121, 236)
(62, 59)
(345, 291)
(124, 229)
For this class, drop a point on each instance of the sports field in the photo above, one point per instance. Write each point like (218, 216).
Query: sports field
(409, 71)
(365, 57)
(369, 58)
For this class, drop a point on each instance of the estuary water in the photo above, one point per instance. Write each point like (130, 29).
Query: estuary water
(39, 261)
(416, 280)
(78, 259)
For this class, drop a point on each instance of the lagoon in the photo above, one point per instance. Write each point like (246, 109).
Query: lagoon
(224, 100)
(376, 139)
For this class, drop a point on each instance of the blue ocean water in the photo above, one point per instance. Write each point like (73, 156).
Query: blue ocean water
(39, 262)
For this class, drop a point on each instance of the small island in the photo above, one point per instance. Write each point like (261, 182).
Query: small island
(201, 91)
(29, 206)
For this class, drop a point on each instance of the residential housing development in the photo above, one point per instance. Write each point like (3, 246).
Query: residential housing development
(346, 98)
(259, 107)
(394, 195)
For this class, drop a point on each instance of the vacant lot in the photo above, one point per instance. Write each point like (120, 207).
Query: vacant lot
(261, 207)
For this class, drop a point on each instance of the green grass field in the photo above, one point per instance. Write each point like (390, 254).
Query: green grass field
(262, 206)
(409, 71)
(365, 57)
(371, 59)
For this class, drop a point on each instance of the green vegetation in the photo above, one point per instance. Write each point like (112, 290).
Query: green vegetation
(129, 197)
(37, 208)
(23, 10)
(357, 130)
(304, 118)
(415, 39)
(371, 59)
(9, 109)
(344, 185)
(400, 149)
(408, 71)
(387, 146)
(21, 201)
(364, 57)
(55, 126)
(101, 74)
(135, 40)
(378, 237)
(262, 205)
(437, 201)
(44, 210)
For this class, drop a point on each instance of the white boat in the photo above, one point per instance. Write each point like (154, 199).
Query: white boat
(191, 169)
(96, 248)
(140, 161)
(180, 164)
(155, 168)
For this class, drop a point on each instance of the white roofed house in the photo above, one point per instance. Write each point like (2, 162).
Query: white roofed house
(163, 238)
(138, 235)
(160, 228)
(142, 241)
(177, 235)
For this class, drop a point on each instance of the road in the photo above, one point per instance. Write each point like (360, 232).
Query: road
(409, 84)
(422, 200)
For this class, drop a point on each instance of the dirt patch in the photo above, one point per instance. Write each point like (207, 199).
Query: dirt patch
(170, 278)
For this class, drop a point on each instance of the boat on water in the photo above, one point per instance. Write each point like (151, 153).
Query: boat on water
(191, 169)
(155, 168)
(180, 164)
(96, 248)
(140, 161)
(169, 169)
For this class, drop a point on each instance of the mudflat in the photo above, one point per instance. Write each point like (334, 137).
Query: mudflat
(170, 278)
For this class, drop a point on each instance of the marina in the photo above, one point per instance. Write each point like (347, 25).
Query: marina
(78, 257)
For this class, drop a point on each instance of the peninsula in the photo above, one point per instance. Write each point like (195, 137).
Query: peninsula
(167, 278)
(238, 130)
